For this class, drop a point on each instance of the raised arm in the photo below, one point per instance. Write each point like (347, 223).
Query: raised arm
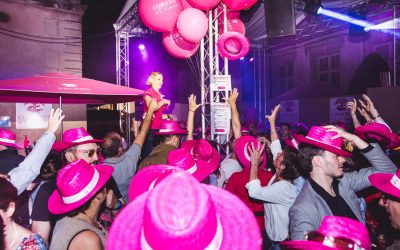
(193, 106)
(141, 136)
(236, 127)
(29, 169)
(276, 147)
(370, 107)
(352, 105)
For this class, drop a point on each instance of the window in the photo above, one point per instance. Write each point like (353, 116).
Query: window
(285, 80)
(329, 70)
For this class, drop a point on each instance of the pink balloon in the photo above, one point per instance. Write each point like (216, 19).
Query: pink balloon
(239, 4)
(177, 46)
(233, 45)
(185, 4)
(160, 15)
(192, 25)
(233, 25)
(204, 4)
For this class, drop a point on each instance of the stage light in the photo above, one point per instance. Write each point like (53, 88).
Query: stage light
(392, 24)
(242, 58)
(343, 17)
(141, 47)
(251, 59)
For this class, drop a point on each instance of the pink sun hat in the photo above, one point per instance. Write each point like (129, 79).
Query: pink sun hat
(380, 132)
(205, 155)
(387, 183)
(147, 178)
(181, 213)
(169, 127)
(243, 145)
(319, 137)
(73, 137)
(335, 232)
(7, 138)
(184, 160)
(76, 183)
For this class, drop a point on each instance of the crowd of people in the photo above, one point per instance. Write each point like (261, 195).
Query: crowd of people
(297, 187)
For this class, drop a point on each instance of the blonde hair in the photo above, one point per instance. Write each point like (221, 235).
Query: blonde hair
(152, 75)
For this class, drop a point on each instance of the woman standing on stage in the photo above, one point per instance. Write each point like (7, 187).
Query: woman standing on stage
(155, 81)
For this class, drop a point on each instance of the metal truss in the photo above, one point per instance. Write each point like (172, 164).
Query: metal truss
(211, 64)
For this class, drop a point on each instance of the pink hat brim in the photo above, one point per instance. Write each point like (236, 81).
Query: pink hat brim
(382, 182)
(14, 145)
(141, 181)
(56, 204)
(60, 146)
(304, 245)
(205, 168)
(380, 130)
(241, 156)
(323, 146)
(176, 132)
(240, 233)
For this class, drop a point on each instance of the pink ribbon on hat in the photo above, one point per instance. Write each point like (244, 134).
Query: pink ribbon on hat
(85, 138)
(7, 140)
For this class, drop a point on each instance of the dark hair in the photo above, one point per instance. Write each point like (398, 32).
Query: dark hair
(286, 124)
(291, 162)
(305, 156)
(8, 194)
(111, 145)
(85, 206)
(166, 138)
(50, 166)
(2, 245)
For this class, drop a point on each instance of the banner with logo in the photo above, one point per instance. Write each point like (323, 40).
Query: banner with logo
(338, 110)
(289, 111)
(32, 115)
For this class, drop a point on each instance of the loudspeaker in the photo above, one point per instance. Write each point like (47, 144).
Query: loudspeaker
(280, 18)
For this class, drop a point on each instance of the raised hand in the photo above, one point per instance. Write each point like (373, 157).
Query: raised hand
(347, 136)
(272, 117)
(256, 154)
(193, 106)
(55, 120)
(352, 105)
(231, 100)
(370, 107)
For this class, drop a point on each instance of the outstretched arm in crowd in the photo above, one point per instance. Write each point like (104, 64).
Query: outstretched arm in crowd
(352, 105)
(276, 147)
(29, 169)
(370, 107)
(144, 128)
(193, 106)
(236, 127)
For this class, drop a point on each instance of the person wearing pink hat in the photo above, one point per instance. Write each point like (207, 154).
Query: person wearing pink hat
(81, 191)
(335, 233)
(181, 213)
(330, 191)
(389, 185)
(9, 156)
(170, 134)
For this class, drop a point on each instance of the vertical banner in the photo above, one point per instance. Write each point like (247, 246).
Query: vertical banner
(338, 110)
(220, 118)
(32, 115)
(289, 111)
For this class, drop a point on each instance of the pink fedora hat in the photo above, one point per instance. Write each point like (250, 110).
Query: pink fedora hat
(335, 232)
(183, 159)
(73, 137)
(147, 178)
(317, 136)
(243, 145)
(7, 138)
(169, 127)
(181, 213)
(387, 183)
(379, 132)
(76, 183)
(206, 156)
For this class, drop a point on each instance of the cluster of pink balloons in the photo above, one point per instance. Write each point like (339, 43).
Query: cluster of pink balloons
(183, 23)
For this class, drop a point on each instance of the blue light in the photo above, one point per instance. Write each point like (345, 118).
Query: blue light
(345, 18)
(242, 58)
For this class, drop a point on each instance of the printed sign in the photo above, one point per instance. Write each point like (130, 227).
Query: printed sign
(338, 110)
(220, 83)
(289, 111)
(220, 118)
(32, 115)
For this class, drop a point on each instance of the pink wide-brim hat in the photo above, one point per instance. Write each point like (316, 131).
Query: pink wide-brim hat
(169, 127)
(379, 132)
(319, 137)
(73, 137)
(335, 227)
(184, 160)
(387, 183)
(76, 183)
(181, 213)
(7, 138)
(206, 156)
(147, 178)
(243, 145)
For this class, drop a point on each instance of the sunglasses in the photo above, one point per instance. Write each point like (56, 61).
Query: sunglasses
(90, 152)
(335, 242)
(386, 197)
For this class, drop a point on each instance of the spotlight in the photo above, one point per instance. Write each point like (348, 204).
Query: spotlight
(251, 59)
(391, 24)
(344, 17)
(242, 58)
(141, 47)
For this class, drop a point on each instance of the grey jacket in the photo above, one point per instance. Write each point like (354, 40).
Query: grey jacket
(309, 209)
